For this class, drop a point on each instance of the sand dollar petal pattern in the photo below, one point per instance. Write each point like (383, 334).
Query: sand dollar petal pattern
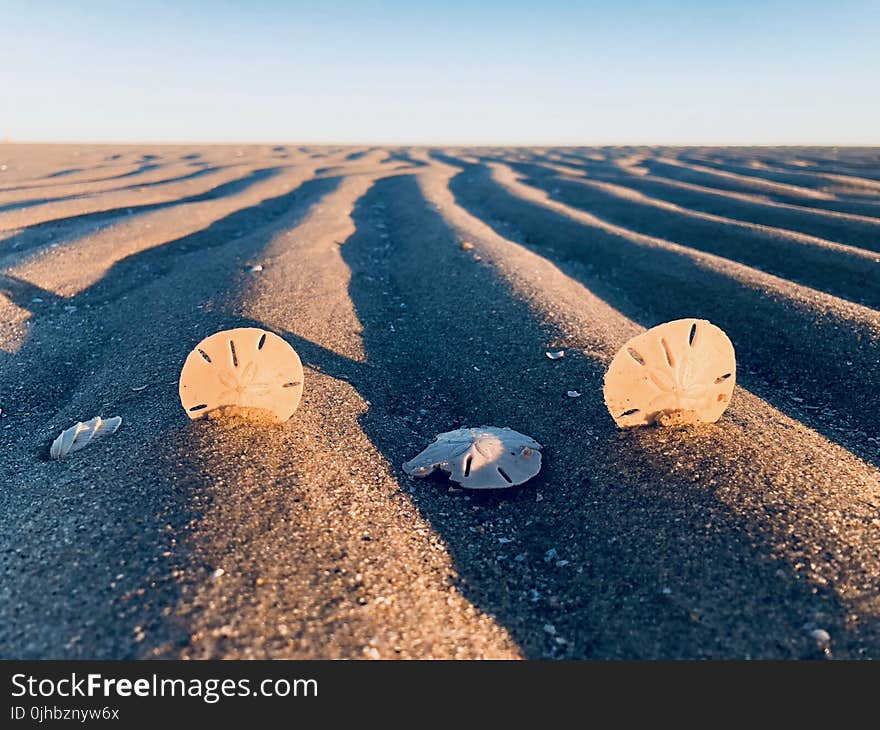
(676, 373)
(248, 370)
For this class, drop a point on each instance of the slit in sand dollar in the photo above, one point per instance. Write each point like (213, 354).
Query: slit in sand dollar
(82, 434)
(247, 372)
(480, 458)
(675, 374)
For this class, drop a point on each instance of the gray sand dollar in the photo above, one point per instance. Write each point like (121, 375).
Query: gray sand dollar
(480, 458)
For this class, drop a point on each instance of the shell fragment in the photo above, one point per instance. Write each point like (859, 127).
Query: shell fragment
(480, 458)
(248, 371)
(82, 434)
(677, 373)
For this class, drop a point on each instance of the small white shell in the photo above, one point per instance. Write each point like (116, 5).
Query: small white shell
(480, 458)
(248, 369)
(82, 434)
(676, 373)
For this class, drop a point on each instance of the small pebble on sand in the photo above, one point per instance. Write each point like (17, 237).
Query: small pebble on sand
(821, 637)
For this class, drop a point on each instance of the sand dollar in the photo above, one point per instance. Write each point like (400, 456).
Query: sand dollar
(487, 457)
(247, 371)
(676, 373)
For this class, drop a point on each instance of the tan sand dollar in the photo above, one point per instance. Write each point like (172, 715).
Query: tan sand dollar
(246, 371)
(676, 373)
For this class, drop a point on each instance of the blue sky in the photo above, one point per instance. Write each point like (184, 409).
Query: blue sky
(548, 72)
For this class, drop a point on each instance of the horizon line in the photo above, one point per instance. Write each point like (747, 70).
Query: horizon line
(361, 143)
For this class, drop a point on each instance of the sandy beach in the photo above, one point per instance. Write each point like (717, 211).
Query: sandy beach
(206, 539)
